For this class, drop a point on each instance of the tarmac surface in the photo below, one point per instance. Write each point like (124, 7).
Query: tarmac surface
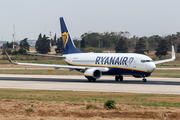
(80, 83)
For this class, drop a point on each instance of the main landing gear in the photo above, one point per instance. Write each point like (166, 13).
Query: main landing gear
(91, 79)
(118, 78)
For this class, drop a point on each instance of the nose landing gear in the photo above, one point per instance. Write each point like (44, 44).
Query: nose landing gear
(144, 79)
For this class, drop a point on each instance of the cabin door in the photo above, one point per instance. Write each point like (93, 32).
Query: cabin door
(134, 64)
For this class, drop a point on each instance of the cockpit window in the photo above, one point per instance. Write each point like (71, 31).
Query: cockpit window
(143, 61)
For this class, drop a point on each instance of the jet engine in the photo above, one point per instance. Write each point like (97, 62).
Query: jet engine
(92, 73)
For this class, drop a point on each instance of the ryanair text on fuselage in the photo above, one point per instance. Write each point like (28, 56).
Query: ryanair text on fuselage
(105, 60)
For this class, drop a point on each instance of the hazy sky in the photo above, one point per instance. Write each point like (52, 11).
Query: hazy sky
(139, 17)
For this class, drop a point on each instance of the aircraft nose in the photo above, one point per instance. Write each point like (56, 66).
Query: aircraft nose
(151, 67)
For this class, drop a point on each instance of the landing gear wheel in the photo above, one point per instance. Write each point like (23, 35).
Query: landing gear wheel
(119, 78)
(94, 80)
(89, 80)
(144, 80)
(116, 78)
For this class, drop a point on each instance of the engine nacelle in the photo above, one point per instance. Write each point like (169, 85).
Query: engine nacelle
(92, 73)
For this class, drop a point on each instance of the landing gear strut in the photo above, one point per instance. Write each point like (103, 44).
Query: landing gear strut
(144, 79)
(118, 78)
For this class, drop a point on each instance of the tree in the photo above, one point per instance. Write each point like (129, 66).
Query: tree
(161, 48)
(24, 46)
(121, 46)
(77, 43)
(171, 40)
(54, 41)
(42, 45)
(83, 45)
(37, 42)
(140, 46)
(91, 39)
(10, 45)
(59, 45)
(5, 48)
(105, 40)
(178, 48)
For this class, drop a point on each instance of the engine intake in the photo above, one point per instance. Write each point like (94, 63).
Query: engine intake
(93, 73)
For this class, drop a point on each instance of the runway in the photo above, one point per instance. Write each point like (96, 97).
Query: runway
(79, 83)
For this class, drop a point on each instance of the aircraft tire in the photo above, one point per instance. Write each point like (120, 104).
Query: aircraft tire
(94, 80)
(116, 78)
(89, 80)
(121, 78)
(144, 80)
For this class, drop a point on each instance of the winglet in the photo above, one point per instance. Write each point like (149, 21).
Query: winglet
(10, 58)
(173, 53)
(167, 60)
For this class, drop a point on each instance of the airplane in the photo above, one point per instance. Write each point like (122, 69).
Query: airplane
(94, 65)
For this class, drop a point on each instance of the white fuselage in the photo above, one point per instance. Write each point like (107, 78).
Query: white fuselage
(124, 61)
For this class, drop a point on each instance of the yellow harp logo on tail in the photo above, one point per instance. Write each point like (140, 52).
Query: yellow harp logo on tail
(65, 37)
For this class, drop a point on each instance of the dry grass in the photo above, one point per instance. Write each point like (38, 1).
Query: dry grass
(91, 98)
(91, 106)
(166, 73)
(40, 72)
(56, 110)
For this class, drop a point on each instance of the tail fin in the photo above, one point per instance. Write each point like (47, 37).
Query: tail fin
(68, 45)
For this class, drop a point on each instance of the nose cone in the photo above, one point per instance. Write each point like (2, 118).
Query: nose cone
(151, 67)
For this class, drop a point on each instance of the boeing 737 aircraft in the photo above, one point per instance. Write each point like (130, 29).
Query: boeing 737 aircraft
(94, 65)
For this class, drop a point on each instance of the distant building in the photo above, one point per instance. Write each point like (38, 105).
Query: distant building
(32, 42)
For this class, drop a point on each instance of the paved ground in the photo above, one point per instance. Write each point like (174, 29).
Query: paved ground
(79, 83)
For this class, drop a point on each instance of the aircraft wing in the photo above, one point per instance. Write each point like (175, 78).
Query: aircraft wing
(46, 55)
(167, 60)
(102, 69)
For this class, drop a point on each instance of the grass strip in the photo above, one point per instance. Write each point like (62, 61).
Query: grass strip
(156, 73)
(40, 72)
(157, 100)
(166, 73)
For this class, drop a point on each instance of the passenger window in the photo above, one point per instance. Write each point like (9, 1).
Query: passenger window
(143, 61)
